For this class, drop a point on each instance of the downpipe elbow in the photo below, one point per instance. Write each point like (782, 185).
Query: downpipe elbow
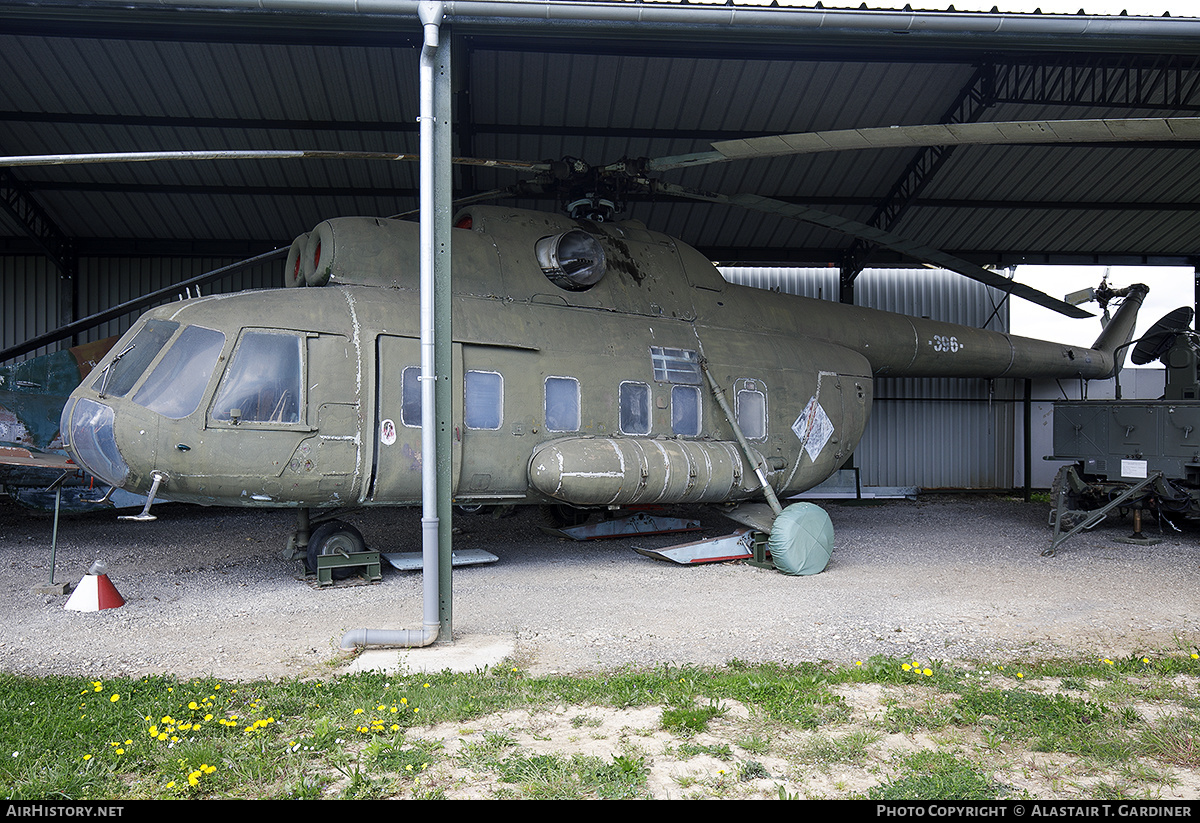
(402, 638)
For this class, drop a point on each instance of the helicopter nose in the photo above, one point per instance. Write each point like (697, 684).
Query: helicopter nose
(88, 426)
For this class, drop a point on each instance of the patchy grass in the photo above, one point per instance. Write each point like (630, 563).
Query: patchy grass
(881, 729)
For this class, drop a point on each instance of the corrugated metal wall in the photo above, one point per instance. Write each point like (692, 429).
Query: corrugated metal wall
(928, 433)
(29, 297)
(31, 292)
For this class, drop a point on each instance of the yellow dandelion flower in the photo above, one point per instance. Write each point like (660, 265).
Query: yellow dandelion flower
(114, 698)
(906, 667)
(193, 705)
(87, 757)
(927, 672)
(426, 686)
(171, 785)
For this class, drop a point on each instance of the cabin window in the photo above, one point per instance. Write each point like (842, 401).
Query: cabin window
(562, 404)
(176, 386)
(751, 411)
(634, 408)
(128, 364)
(410, 397)
(685, 410)
(675, 365)
(484, 402)
(262, 384)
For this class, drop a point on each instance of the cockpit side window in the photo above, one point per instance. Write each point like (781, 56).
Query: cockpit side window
(129, 362)
(176, 386)
(262, 384)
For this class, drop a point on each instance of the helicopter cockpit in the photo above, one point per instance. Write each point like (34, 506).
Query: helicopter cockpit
(187, 377)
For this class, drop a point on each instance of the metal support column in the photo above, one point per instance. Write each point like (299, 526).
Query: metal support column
(442, 342)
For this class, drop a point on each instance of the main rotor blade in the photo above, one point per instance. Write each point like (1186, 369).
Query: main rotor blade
(250, 154)
(879, 237)
(1048, 132)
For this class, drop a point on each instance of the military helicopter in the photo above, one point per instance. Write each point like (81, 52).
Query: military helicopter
(597, 363)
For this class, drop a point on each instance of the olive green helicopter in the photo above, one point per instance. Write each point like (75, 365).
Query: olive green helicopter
(597, 364)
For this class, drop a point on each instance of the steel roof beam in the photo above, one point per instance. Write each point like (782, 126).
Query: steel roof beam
(1126, 83)
(37, 224)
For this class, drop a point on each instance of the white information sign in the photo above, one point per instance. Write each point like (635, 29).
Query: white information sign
(1133, 468)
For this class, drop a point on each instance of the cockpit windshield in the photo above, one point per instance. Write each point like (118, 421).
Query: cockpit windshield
(129, 362)
(176, 386)
(263, 382)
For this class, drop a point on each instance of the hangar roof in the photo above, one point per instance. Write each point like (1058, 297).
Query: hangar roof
(599, 81)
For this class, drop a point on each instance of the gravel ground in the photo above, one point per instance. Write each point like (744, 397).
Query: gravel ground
(945, 577)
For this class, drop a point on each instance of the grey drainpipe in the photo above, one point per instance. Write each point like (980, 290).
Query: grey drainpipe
(431, 18)
(970, 29)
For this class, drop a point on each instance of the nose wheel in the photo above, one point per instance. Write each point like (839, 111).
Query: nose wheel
(335, 538)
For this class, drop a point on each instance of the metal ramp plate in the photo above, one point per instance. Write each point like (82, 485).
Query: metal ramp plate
(411, 561)
(736, 546)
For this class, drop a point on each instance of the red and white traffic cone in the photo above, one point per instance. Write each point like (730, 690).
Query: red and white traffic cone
(95, 591)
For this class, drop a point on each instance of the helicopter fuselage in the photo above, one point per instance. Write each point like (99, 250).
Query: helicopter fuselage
(566, 391)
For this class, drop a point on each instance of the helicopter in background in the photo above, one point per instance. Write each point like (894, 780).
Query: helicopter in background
(597, 363)
(32, 457)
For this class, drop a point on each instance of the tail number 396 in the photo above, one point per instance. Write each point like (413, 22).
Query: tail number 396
(941, 343)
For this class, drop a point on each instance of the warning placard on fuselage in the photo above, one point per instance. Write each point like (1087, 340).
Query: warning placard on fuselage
(814, 428)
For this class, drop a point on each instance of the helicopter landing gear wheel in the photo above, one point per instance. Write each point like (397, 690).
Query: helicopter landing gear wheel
(334, 537)
(562, 516)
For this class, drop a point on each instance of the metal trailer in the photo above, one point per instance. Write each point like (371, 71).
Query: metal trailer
(1133, 456)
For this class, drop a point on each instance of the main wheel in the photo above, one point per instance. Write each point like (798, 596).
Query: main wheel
(334, 537)
(562, 516)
